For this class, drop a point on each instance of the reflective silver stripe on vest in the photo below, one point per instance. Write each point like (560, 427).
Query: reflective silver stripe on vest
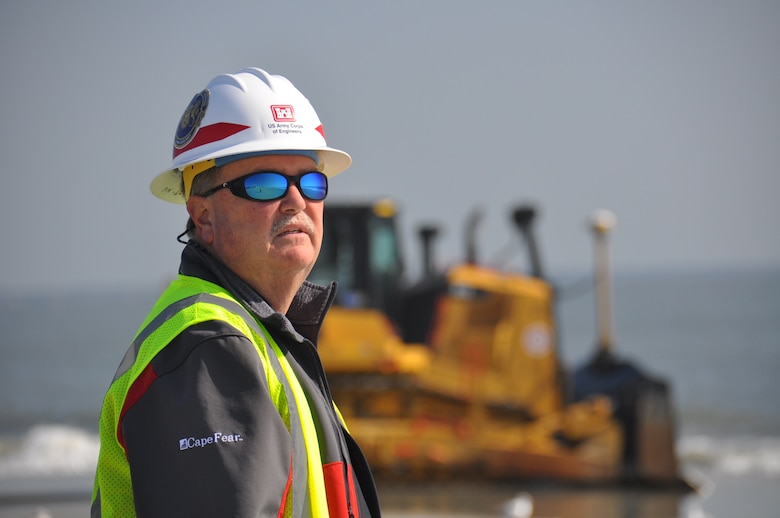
(132, 352)
(300, 466)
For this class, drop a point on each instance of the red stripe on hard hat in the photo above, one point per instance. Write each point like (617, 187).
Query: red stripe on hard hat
(209, 134)
(321, 130)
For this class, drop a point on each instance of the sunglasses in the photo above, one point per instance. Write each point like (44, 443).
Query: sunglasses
(270, 186)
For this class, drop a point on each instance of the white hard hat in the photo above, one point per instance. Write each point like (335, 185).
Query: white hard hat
(239, 115)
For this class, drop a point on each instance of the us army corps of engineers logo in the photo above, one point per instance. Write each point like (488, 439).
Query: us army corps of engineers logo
(190, 119)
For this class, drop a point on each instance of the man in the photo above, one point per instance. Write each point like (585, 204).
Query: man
(220, 406)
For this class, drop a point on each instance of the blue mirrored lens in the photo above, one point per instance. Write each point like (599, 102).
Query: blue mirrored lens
(314, 186)
(265, 186)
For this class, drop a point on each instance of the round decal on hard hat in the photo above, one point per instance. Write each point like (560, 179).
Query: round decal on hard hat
(190, 119)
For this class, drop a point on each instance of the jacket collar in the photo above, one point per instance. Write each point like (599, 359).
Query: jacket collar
(306, 313)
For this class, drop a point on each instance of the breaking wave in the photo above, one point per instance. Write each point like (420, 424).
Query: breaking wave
(741, 455)
(49, 450)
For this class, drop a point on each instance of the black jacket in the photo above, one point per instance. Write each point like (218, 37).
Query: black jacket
(211, 381)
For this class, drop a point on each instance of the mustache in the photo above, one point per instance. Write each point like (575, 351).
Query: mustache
(299, 220)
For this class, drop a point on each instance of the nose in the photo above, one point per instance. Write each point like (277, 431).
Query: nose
(293, 201)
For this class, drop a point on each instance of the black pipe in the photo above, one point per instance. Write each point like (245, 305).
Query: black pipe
(524, 216)
(427, 234)
(471, 236)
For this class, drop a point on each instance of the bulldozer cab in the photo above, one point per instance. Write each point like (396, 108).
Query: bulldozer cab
(360, 250)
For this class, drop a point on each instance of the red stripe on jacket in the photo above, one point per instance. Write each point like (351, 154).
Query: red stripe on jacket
(137, 389)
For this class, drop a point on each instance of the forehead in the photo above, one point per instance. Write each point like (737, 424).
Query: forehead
(288, 164)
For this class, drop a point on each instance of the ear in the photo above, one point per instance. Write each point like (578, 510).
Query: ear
(201, 213)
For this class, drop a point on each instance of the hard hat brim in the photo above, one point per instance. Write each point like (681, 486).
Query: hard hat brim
(168, 185)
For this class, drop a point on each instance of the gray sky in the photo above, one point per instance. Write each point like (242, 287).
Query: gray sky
(667, 113)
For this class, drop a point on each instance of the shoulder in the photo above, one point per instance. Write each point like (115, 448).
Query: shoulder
(214, 340)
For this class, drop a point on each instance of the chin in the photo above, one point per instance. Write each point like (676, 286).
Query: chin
(297, 259)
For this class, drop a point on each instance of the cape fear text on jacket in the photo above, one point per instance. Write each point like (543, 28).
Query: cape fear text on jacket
(192, 442)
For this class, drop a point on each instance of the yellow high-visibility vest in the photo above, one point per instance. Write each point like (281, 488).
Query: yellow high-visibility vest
(189, 301)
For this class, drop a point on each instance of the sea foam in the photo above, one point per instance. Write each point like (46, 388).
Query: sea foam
(49, 450)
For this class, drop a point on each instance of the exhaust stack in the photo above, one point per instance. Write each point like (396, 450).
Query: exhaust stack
(427, 235)
(602, 222)
(471, 235)
(524, 217)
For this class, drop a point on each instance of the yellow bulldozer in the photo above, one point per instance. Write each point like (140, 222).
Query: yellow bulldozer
(458, 375)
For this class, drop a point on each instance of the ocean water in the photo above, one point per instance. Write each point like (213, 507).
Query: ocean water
(714, 336)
